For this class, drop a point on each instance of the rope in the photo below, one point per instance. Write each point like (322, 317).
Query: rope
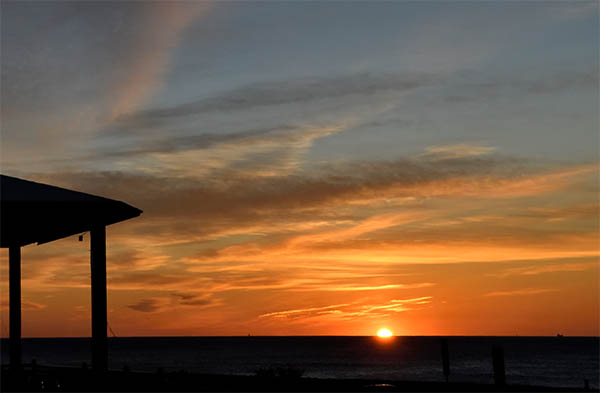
(110, 329)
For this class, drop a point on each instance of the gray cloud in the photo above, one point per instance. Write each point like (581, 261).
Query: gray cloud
(478, 87)
(232, 202)
(189, 299)
(146, 305)
(280, 134)
(181, 299)
(304, 90)
(175, 129)
(284, 92)
(228, 191)
(198, 209)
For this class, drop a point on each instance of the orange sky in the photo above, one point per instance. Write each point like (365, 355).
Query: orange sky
(448, 260)
(312, 168)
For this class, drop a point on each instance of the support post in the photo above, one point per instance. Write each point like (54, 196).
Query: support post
(14, 267)
(99, 316)
(498, 365)
(445, 358)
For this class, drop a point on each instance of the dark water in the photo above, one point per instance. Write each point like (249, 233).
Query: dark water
(548, 361)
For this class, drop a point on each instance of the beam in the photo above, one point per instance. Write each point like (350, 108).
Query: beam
(99, 316)
(14, 267)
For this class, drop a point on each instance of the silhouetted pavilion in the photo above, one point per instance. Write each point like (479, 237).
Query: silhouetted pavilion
(39, 213)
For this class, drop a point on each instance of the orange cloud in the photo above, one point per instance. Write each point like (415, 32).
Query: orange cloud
(352, 236)
(280, 314)
(554, 268)
(25, 305)
(351, 310)
(346, 288)
(520, 292)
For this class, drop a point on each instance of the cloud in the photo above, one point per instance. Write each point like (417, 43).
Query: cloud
(327, 196)
(25, 305)
(174, 301)
(554, 268)
(159, 33)
(461, 150)
(243, 151)
(330, 183)
(192, 299)
(194, 140)
(480, 88)
(293, 91)
(237, 235)
(578, 211)
(68, 68)
(521, 292)
(347, 288)
(276, 135)
(147, 305)
(271, 154)
(279, 314)
(352, 310)
(371, 224)
(136, 259)
(146, 280)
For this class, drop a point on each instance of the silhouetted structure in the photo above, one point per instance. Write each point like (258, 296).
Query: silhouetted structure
(39, 213)
(498, 364)
(445, 358)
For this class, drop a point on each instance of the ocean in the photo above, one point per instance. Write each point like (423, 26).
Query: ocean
(544, 361)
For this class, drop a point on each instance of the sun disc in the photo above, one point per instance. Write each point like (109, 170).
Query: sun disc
(384, 333)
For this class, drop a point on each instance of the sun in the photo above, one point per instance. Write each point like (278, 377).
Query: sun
(384, 333)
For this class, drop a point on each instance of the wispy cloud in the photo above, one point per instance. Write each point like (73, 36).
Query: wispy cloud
(348, 288)
(476, 176)
(285, 92)
(521, 292)
(532, 270)
(274, 153)
(147, 305)
(176, 300)
(456, 151)
(352, 310)
(160, 32)
(25, 305)
(477, 88)
(146, 280)
(316, 209)
(287, 313)
(194, 299)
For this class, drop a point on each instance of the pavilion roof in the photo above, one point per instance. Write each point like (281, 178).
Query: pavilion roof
(33, 212)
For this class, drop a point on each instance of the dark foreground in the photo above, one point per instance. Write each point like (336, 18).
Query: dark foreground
(543, 361)
(54, 379)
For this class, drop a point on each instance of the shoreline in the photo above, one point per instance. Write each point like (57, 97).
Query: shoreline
(48, 378)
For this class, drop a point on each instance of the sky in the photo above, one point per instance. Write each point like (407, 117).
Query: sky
(312, 168)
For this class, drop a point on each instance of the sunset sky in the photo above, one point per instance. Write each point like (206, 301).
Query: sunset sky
(312, 168)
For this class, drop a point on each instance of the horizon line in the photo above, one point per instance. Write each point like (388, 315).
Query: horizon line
(321, 335)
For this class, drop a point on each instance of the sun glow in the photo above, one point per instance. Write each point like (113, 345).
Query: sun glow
(384, 333)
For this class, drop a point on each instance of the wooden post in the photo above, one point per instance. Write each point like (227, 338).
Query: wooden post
(445, 358)
(14, 267)
(498, 365)
(99, 316)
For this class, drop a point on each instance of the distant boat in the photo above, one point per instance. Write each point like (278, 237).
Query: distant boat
(559, 335)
